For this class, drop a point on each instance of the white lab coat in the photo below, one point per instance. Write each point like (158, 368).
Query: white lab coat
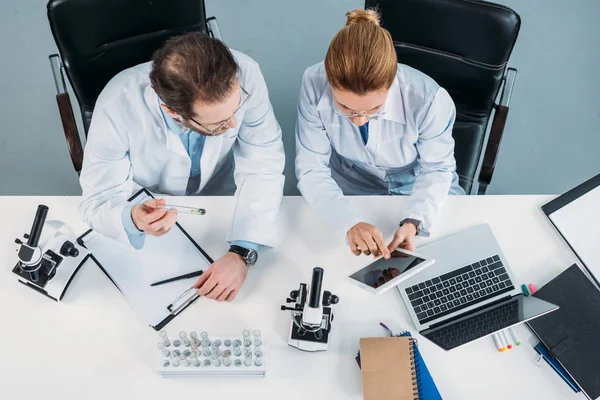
(409, 151)
(129, 146)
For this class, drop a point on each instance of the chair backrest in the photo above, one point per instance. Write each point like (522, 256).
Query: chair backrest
(97, 39)
(464, 45)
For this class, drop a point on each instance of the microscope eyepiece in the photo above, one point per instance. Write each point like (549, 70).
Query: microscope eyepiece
(38, 225)
(315, 288)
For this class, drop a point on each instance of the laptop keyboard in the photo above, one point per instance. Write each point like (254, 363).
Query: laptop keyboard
(459, 289)
(462, 332)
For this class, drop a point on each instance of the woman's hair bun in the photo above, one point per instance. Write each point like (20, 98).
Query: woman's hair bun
(360, 16)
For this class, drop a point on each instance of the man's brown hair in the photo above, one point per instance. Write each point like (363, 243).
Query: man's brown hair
(192, 67)
(361, 57)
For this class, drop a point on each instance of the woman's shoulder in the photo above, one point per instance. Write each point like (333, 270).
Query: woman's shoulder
(315, 75)
(416, 83)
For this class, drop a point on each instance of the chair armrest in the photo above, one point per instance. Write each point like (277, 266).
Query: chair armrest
(66, 114)
(213, 28)
(496, 132)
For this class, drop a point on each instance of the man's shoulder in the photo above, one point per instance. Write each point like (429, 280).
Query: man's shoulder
(131, 82)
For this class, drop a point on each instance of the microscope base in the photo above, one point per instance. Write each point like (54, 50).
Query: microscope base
(311, 341)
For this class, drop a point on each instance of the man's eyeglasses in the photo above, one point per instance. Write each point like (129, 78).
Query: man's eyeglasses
(222, 126)
(360, 115)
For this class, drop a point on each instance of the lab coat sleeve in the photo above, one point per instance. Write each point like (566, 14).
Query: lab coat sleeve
(106, 178)
(313, 150)
(259, 161)
(435, 147)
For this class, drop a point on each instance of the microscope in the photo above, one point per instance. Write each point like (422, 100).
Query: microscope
(50, 258)
(311, 318)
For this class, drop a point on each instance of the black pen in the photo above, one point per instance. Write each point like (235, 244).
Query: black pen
(177, 278)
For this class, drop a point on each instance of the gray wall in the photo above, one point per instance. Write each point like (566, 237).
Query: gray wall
(551, 143)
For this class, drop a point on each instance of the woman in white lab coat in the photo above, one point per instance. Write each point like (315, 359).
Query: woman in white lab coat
(184, 125)
(368, 125)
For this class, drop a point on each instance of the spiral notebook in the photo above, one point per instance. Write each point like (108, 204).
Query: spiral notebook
(426, 388)
(387, 368)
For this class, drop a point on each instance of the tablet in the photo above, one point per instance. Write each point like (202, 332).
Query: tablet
(381, 274)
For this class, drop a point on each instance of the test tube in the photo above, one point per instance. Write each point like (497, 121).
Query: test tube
(215, 354)
(207, 363)
(165, 338)
(227, 343)
(257, 334)
(217, 343)
(237, 362)
(246, 334)
(227, 361)
(194, 337)
(194, 346)
(163, 349)
(166, 363)
(248, 354)
(257, 343)
(247, 343)
(186, 362)
(227, 353)
(176, 343)
(247, 362)
(182, 357)
(216, 363)
(258, 362)
(205, 343)
(258, 354)
(187, 353)
(204, 335)
(237, 351)
(176, 352)
(206, 352)
(237, 343)
(175, 361)
(184, 339)
(195, 361)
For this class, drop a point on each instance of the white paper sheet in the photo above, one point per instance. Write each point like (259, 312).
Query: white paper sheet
(134, 270)
(579, 223)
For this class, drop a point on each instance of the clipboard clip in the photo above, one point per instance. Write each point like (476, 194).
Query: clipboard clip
(183, 301)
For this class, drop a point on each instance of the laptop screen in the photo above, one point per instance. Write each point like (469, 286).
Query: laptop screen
(487, 320)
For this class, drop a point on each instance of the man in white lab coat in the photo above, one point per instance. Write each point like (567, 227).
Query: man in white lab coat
(196, 120)
(370, 126)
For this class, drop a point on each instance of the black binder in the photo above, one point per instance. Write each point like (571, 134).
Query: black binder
(572, 333)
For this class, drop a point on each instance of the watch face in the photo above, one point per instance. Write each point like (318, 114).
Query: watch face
(252, 257)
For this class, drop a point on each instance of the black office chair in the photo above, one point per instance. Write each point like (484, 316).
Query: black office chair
(465, 46)
(97, 39)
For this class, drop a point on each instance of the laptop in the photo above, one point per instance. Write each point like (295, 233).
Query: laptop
(469, 292)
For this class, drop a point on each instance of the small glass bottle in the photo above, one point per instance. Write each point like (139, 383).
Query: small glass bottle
(164, 338)
(163, 349)
(175, 361)
(184, 339)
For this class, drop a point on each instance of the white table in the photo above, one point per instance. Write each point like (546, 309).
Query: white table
(93, 346)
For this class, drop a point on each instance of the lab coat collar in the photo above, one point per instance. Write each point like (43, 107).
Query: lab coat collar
(393, 108)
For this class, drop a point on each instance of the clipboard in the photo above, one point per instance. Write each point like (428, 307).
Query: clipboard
(132, 271)
(576, 217)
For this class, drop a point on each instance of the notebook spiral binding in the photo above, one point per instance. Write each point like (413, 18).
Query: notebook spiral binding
(416, 376)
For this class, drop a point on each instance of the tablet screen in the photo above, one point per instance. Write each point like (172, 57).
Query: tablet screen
(382, 271)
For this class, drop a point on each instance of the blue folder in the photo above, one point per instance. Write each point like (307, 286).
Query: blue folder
(542, 351)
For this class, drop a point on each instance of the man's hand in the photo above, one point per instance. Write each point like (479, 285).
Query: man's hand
(223, 279)
(366, 238)
(404, 237)
(152, 218)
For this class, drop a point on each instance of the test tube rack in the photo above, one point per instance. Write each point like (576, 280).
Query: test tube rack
(245, 354)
